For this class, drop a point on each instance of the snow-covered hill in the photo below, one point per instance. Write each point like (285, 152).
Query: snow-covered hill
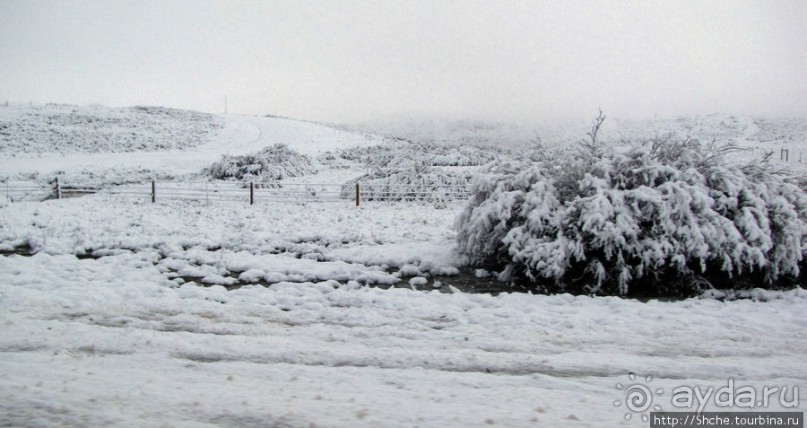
(97, 140)
(114, 145)
(65, 129)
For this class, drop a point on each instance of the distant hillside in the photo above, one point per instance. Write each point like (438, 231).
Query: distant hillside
(68, 129)
(742, 130)
(443, 131)
(135, 143)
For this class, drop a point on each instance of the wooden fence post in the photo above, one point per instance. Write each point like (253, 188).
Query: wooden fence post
(58, 189)
(251, 193)
(357, 194)
(153, 191)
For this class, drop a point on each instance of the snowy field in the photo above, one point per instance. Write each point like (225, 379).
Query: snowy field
(119, 340)
(119, 312)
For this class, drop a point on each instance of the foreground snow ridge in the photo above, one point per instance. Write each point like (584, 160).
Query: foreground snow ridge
(116, 340)
(111, 341)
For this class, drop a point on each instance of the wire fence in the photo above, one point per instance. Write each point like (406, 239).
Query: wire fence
(26, 191)
(780, 155)
(253, 193)
(248, 193)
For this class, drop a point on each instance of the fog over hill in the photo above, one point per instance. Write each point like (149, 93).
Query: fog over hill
(725, 128)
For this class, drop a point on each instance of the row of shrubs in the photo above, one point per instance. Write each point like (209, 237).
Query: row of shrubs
(430, 154)
(663, 217)
(401, 179)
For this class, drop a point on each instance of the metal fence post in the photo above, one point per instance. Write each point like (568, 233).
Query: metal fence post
(153, 191)
(58, 189)
(357, 194)
(251, 193)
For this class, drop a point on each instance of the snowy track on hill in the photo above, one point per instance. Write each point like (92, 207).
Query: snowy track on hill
(240, 135)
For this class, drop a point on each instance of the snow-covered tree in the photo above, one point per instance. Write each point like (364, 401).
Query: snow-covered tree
(664, 217)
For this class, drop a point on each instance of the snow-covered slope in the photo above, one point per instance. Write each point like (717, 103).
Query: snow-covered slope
(168, 142)
(66, 129)
(35, 143)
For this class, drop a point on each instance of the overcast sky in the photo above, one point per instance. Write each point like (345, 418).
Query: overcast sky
(349, 61)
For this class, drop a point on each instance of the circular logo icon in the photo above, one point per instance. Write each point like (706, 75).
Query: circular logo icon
(638, 397)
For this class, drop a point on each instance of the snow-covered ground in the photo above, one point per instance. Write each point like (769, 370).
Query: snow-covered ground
(118, 339)
(138, 314)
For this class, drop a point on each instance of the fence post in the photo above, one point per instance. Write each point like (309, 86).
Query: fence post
(251, 192)
(153, 191)
(58, 189)
(357, 194)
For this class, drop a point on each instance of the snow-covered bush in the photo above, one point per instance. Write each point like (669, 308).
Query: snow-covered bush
(662, 218)
(265, 166)
(431, 154)
(412, 181)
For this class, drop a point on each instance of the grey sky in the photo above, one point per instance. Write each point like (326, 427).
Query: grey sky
(362, 60)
